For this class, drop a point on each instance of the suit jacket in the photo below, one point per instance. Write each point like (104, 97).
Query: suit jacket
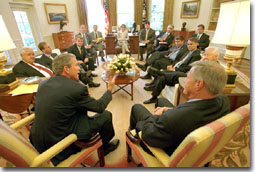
(169, 39)
(168, 130)
(195, 56)
(93, 37)
(46, 61)
(151, 35)
(203, 42)
(119, 35)
(61, 108)
(183, 50)
(22, 69)
(74, 50)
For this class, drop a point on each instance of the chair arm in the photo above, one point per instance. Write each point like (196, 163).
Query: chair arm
(54, 150)
(23, 122)
(159, 153)
(132, 137)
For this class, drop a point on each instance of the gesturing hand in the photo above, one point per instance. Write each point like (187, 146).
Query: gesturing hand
(111, 82)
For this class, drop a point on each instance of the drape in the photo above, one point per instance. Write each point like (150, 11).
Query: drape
(112, 12)
(168, 13)
(83, 13)
(138, 5)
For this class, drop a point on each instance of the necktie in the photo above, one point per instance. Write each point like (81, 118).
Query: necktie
(50, 57)
(43, 68)
(165, 36)
(198, 36)
(96, 35)
(174, 54)
(79, 48)
(84, 39)
(147, 30)
(177, 65)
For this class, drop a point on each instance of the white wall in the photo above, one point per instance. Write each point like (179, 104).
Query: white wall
(204, 14)
(46, 28)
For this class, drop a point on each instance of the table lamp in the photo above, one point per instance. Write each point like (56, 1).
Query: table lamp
(233, 30)
(6, 43)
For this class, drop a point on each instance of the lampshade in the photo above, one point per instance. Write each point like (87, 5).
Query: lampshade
(6, 42)
(233, 26)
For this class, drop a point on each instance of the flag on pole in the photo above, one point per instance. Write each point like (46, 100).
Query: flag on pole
(106, 27)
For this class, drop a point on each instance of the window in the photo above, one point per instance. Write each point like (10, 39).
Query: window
(25, 29)
(125, 12)
(95, 15)
(157, 14)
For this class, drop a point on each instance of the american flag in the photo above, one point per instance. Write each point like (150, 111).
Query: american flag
(106, 27)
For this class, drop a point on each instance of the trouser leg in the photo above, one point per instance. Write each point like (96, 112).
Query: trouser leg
(163, 102)
(102, 123)
(159, 86)
(138, 113)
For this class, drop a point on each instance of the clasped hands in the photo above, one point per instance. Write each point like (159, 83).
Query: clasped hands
(161, 110)
(146, 42)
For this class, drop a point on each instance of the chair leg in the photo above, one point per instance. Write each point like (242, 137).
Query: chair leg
(100, 153)
(129, 153)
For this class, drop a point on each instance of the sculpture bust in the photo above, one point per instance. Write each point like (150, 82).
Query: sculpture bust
(62, 24)
(183, 26)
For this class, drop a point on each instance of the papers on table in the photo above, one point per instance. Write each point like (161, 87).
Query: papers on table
(25, 89)
(141, 44)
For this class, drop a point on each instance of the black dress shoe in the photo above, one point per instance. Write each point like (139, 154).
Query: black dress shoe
(94, 84)
(93, 75)
(143, 67)
(147, 76)
(152, 100)
(111, 146)
(148, 88)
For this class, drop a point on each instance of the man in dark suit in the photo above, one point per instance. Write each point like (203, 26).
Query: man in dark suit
(178, 68)
(81, 55)
(87, 43)
(203, 39)
(164, 41)
(27, 66)
(162, 59)
(62, 106)
(146, 38)
(168, 126)
(47, 56)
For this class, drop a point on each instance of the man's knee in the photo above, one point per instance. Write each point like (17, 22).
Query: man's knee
(107, 115)
(135, 108)
(163, 102)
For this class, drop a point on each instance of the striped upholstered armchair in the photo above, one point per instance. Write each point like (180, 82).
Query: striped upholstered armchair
(198, 148)
(21, 153)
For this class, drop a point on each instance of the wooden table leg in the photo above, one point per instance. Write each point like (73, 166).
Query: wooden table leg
(132, 87)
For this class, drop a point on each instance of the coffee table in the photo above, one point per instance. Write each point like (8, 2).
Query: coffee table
(121, 80)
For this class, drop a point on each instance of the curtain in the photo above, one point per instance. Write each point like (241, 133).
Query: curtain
(112, 12)
(83, 13)
(168, 13)
(138, 12)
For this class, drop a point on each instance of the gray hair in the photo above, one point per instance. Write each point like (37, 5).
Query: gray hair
(60, 61)
(215, 51)
(22, 50)
(212, 73)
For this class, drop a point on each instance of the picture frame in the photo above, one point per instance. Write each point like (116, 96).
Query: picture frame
(55, 13)
(190, 9)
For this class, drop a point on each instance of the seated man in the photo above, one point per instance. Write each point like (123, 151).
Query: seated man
(171, 78)
(95, 34)
(27, 66)
(203, 39)
(62, 106)
(87, 43)
(168, 126)
(81, 55)
(47, 57)
(162, 59)
(181, 67)
(164, 41)
(146, 37)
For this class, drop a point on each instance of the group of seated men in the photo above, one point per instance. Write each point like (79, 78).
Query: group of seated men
(62, 103)
(167, 65)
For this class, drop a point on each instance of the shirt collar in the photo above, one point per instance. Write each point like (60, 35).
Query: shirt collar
(193, 100)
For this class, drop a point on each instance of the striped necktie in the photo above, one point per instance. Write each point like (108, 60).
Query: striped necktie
(44, 69)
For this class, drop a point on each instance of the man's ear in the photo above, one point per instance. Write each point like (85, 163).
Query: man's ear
(199, 84)
(66, 69)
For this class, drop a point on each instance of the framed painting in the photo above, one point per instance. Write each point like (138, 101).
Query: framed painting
(55, 13)
(190, 9)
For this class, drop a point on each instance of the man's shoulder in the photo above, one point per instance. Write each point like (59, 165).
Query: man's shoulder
(20, 64)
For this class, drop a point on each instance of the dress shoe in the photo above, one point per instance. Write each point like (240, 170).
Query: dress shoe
(94, 84)
(111, 146)
(151, 100)
(148, 88)
(147, 76)
(93, 75)
(143, 67)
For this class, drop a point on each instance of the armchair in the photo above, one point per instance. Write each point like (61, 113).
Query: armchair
(21, 153)
(198, 148)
